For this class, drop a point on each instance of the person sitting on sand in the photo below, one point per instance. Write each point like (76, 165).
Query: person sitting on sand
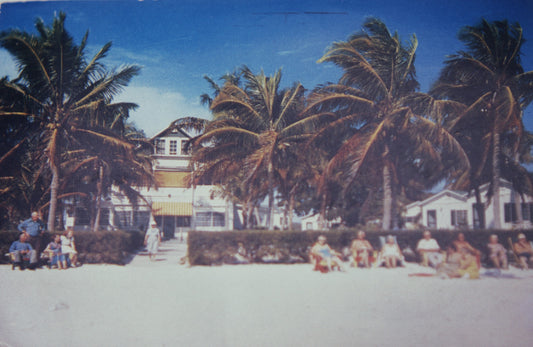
(523, 250)
(322, 251)
(361, 250)
(57, 257)
(497, 253)
(429, 250)
(460, 243)
(460, 264)
(391, 253)
(241, 257)
(21, 248)
(68, 247)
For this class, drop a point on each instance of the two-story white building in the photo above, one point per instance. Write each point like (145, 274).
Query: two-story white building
(450, 209)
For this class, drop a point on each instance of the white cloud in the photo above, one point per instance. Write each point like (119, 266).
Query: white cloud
(158, 108)
(7, 65)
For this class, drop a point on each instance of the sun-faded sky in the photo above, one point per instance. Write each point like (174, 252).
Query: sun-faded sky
(178, 42)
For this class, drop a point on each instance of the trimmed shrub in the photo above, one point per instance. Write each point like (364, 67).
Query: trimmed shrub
(216, 248)
(110, 247)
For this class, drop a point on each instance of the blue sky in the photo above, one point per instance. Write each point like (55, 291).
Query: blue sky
(178, 42)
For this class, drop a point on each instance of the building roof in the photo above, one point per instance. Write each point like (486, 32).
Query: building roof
(174, 129)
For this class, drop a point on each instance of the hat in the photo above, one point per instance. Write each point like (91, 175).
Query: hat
(521, 236)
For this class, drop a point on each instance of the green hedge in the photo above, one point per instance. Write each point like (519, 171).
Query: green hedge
(215, 248)
(109, 247)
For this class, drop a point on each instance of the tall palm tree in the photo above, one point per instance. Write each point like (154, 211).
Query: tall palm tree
(61, 88)
(374, 114)
(489, 78)
(257, 121)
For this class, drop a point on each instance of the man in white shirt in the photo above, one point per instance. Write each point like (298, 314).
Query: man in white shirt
(429, 250)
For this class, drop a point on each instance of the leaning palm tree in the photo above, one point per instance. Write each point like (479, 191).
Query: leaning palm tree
(374, 115)
(489, 78)
(61, 88)
(259, 121)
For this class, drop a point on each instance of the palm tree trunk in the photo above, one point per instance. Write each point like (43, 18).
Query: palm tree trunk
(54, 186)
(291, 207)
(245, 215)
(270, 220)
(387, 198)
(480, 207)
(98, 198)
(496, 179)
(322, 215)
(517, 200)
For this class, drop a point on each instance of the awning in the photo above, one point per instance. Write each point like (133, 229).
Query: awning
(171, 208)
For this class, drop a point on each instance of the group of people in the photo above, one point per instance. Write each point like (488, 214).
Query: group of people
(61, 251)
(461, 259)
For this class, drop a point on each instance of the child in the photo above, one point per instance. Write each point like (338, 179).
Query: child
(58, 258)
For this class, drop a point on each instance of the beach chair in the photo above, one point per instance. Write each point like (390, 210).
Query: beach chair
(380, 261)
(516, 257)
(321, 264)
(25, 260)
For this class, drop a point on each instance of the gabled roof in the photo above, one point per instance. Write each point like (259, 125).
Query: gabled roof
(173, 129)
(454, 194)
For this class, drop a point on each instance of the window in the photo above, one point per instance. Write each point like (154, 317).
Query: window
(185, 150)
(104, 217)
(527, 211)
(309, 225)
(82, 216)
(478, 211)
(173, 147)
(123, 219)
(509, 212)
(141, 219)
(459, 218)
(210, 219)
(432, 219)
(183, 221)
(159, 146)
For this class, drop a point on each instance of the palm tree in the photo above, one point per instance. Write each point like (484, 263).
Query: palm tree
(61, 88)
(254, 124)
(489, 78)
(375, 115)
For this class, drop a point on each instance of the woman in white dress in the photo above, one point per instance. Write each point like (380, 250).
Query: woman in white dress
(391, 253)
(69, 248)
(152, 240)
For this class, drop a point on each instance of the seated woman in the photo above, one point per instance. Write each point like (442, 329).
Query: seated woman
(460, 243)
(391, 253)
(523, 250)
(361, 250)
(321, 252)
(68, 248)
(497, 253)
(54, 248)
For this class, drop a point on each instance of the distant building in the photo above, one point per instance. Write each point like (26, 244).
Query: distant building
(450, 209)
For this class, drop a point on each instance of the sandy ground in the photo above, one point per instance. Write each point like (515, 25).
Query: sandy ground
(165, 304)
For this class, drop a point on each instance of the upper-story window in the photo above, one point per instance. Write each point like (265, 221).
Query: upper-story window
(159, 146)
(173, 147)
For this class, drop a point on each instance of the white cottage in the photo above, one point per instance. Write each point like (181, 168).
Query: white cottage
(450, 209)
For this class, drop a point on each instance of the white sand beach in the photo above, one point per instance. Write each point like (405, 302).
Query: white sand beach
(166, 304)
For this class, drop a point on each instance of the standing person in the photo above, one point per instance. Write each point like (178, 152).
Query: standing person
(152, 240)
(68, 247)
(34, 228)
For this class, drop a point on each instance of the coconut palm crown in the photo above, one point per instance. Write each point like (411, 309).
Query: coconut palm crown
(61, 89)
(377, 119)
